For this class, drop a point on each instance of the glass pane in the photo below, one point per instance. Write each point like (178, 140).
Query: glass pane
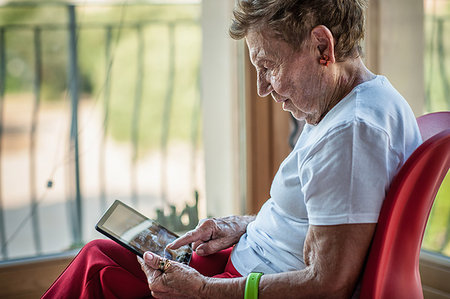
(437, 84)
(139, 121)
(437, 234)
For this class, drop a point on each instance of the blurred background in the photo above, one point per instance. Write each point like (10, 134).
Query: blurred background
(150, 102)
(99, 102)
(437, 98)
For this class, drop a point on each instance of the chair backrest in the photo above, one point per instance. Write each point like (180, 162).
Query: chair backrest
(392, 268)
(433, 123)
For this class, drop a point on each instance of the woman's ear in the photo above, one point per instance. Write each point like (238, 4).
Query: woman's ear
(323, 42)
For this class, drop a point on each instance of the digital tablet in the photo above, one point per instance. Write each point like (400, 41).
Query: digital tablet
(139, 234)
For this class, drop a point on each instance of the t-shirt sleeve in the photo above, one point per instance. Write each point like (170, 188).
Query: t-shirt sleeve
(345, 177)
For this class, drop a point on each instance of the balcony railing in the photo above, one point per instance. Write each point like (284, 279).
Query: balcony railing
(166, 110)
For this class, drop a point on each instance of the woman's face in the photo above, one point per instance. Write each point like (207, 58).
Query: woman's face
(294, 78)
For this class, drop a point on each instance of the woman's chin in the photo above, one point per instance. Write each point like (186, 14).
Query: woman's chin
(287, 107)
(298, 115)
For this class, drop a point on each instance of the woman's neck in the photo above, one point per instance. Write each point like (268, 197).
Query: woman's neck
(349, 74)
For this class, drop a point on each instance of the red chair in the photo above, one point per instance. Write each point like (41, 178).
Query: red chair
(392, 268)
(433, 123)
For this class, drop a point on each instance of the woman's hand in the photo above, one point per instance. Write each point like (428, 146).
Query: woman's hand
(176, 281)
(213, 235)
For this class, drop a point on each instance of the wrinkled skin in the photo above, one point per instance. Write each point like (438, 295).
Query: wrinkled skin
(182, 281)
(174, 282)
(334, 255)
(305, 87)
(213, 235)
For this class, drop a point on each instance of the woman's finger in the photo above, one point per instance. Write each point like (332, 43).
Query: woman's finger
(203, 232)
(152, 260)
(196, 244)
(141, 262)
(189, 237)
(208, 248)
(151, 273)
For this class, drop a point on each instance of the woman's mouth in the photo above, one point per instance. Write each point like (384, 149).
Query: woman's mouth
(284, 103)
(278, 98)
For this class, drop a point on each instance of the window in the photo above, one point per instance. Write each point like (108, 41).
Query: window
(98, 102)
(437, 91)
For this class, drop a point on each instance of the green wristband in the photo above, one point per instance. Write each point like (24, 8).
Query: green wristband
(251, 286)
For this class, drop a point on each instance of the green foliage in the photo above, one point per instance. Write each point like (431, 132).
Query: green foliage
(124, 77)
(437, 83)
(437, 63)
(155, 79)
(437, 234)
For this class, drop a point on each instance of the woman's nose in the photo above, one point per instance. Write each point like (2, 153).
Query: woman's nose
(263, 85)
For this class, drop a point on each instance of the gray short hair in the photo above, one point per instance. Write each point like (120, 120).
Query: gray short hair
(293, 20)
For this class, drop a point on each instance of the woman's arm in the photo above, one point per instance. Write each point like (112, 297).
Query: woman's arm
(334, 257)
(181, 281)
(215, 234)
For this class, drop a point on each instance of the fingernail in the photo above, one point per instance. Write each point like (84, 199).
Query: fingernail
(200, 251)
(148, 256)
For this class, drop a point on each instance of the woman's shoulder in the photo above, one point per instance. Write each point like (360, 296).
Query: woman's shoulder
(374, 108)
(375, 103)
(381, 106)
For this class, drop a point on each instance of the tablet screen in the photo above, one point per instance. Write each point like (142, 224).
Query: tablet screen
(132, 229)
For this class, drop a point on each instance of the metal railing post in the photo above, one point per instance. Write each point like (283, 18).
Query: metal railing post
(136, 113)
(166, 113)
(34, 124)
(106, 103)
(196, 110)
(74, 145)
(4, 249)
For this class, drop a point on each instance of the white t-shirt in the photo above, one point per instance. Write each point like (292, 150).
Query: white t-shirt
(338, 173)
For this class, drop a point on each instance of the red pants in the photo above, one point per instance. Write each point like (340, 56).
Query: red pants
(104, 269)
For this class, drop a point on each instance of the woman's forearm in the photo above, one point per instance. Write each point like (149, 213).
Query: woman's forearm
(223, 288)
(295, 284)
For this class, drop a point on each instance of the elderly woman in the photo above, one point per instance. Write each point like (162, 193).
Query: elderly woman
(310, 239)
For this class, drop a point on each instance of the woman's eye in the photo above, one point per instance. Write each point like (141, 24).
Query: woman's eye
(265, 71)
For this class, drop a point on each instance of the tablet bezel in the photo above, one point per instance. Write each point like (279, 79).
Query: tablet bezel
(115, 237)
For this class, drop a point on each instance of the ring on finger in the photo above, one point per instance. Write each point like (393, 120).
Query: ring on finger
(162, 264)
(166, 265)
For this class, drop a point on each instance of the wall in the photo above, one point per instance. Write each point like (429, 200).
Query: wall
(220, 105)
(395, 46)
